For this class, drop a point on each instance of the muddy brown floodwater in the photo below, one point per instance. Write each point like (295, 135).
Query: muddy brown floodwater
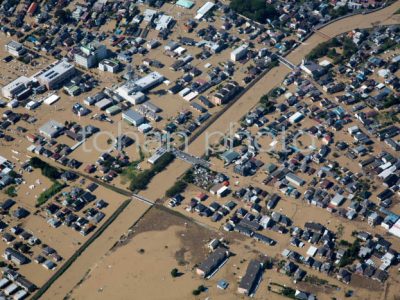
(166, 179)
(146, 276)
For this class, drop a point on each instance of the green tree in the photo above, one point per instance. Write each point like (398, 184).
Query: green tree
(177, 188)
(174, 272)
(349, 48)
(49, 171)
(264, 100)
(11, 191)
(62, 15)
(188, 177)
(258, 10)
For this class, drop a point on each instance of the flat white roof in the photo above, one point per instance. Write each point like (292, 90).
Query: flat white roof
(132, 115)
(163, 22)
(311, 251)
(149, 14)
(51, 127)
(149, 79)
(325, 63)
(395, 229)
(190, 96)
(103, 103)
(144, 126)
(17, 82)
(14, 45)
(240, 49)
(185, 3)
(51, 99)
(55, 70)
(337, 200)
(204, 10)
(3, 160)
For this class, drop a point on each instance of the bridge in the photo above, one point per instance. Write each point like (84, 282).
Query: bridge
(286, 62)
(142, 199)
(189, 158)
(324, 35)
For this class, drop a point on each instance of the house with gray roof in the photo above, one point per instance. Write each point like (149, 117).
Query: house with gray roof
(251, 279)
(213, 263)
(51, 129)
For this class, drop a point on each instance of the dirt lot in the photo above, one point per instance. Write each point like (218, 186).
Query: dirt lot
(96, 251)
(159, 238)
(124, 272)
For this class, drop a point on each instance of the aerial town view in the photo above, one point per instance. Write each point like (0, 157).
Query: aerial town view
(200, 149)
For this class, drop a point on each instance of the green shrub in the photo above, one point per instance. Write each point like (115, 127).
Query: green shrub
(50, 192)
(11, 191)
(142, 179)
(177, 188)
(47, 170)
(174, 272)
(257, 10)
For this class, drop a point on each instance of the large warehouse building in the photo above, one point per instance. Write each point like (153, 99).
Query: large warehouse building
(133, 91)
(15, 87)
(57, 73)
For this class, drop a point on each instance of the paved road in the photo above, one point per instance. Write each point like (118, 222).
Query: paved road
(286, 62)
(142, 199)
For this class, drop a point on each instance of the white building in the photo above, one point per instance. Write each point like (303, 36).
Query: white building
(31, 105)
(51, 129)
(164, 22)
(239, 52)
(157, 155)
(51, 99)
(296, 117)
(395, 229)
(133, 91)
(54, 75)
(337, 200)
(294, 179)
(91, 54)
(133, 117)
(205, 9)
(108, 65)
(149, 15)
(15, 48)
(265, 222)
(15, 87)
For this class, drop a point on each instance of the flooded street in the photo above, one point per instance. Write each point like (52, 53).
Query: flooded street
(128, 266)
(164, 180)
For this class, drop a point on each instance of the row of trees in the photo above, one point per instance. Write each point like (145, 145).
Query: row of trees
(142, 179)
(181, 184)
(50, 192)
(177, 188)
(47, 170)
(350, 255)
(50, 172)
(323, 49)
(257, 10)
(328, 49)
